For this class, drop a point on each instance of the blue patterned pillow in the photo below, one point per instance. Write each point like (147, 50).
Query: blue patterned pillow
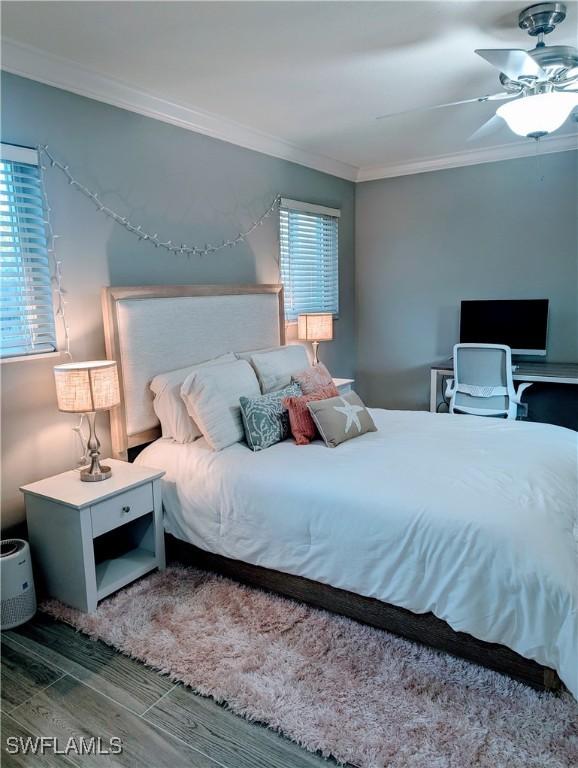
(265, 419)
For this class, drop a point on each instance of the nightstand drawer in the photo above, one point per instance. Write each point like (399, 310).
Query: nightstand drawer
(121, 509)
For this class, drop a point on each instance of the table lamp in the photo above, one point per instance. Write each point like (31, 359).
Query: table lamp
(315, 327)
(88, 387)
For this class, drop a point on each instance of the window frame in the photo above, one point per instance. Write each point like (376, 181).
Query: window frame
(30, 156)
(319, 210)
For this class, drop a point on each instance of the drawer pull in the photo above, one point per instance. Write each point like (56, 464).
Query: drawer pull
(126, 510)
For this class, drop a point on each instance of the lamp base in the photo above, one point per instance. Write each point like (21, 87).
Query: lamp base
(103, 473)
(315, 345)
(95, 470)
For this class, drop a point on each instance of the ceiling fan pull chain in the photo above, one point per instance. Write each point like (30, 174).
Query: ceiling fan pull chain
(538, 156)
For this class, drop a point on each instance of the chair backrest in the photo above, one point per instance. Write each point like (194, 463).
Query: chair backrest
(483, 383)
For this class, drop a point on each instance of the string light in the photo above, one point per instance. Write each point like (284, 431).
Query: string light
(59, 292)
(56, 263)
(139, 231)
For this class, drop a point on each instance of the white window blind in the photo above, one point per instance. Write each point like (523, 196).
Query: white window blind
(26, 310)
(309, 241)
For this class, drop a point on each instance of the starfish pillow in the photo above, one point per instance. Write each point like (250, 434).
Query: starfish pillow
(341, 418)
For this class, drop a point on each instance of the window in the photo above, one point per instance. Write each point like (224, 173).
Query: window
(26, 311)
(309, 258)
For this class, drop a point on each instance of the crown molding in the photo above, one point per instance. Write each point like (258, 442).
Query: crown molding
(511, 151)
(30, 62)
(35, 64)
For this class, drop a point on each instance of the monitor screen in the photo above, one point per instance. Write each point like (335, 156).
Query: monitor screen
(522, 324)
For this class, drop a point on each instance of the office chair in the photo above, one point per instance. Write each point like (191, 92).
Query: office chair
(482, 383)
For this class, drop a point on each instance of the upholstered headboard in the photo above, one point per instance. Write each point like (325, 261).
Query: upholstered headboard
(153, 329)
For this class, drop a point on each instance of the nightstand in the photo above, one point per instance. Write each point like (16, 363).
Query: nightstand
(90, 539)
(344, 385)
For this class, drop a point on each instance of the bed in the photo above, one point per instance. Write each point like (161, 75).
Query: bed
(459, 532)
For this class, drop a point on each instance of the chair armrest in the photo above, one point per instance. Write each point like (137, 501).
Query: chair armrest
(520, 391)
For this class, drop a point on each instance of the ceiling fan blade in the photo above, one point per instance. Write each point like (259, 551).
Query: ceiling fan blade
(515, 63)
(503, 95)
(489, 127)
(480, 99)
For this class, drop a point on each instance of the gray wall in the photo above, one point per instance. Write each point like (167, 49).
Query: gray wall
(186, 186)
(424, 242)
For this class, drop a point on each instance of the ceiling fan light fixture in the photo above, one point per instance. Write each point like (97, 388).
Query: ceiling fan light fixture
(538, 115)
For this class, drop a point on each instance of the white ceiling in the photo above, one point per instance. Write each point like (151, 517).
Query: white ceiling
(298, 80)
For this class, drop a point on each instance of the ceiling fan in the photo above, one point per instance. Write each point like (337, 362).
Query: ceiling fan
(540, 86)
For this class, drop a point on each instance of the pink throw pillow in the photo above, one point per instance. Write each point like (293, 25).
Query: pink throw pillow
(314, 378)
(302, 425)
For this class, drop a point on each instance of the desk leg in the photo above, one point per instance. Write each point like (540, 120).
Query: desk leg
(433, 392)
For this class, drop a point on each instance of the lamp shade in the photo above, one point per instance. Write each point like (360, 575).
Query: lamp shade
(315, 326)
(538, 115)
(87, 387)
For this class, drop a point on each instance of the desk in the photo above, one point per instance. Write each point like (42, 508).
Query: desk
(546, 373)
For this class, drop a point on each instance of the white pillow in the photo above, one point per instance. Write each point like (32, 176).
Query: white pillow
(275, 368)
(211, 395)
(169, 406)
(248, 355)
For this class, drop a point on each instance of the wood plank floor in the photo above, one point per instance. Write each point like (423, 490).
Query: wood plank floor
(59, 683)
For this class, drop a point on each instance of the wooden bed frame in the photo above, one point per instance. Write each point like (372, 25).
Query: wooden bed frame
(423, 628)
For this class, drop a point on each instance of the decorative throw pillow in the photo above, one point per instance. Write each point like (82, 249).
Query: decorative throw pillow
(275, 368)
(341, 418)
(169, 406)
(302, 425)
(211, 396)
(313, 378)
(265, 417)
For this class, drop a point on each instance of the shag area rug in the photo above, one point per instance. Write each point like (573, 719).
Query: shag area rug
(332, 685)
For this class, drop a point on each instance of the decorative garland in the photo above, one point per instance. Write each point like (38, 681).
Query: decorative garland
(57, 264)
(60, 294)
(183, 249)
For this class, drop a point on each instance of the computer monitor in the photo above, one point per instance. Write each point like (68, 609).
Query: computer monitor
(522, 324)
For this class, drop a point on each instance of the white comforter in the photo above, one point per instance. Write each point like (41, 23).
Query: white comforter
(473, 519)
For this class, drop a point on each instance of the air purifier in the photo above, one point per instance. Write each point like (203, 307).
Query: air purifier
(18, 598)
